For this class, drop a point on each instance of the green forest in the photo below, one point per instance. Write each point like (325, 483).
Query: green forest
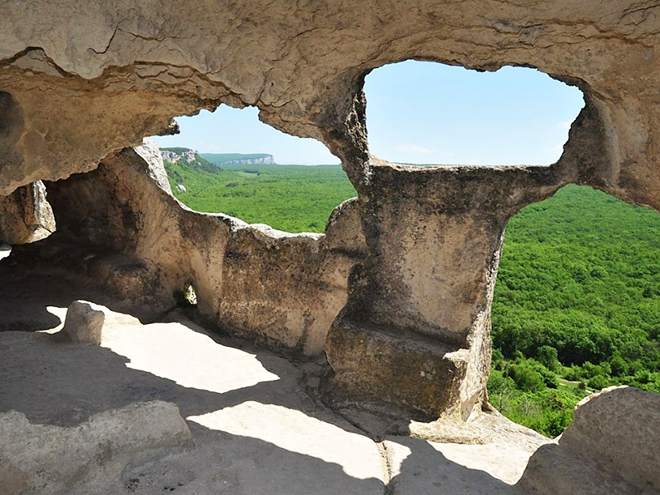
(577, 301)
(576, 306)
(294, 198)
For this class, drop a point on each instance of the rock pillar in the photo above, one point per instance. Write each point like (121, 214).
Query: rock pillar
(416, 330)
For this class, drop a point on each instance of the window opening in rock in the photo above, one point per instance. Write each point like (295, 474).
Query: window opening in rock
(230, 162)
(434, 114)
(576, 306)
(5, 250)
(189, 295)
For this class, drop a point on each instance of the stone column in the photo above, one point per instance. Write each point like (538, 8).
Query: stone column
(416, 331)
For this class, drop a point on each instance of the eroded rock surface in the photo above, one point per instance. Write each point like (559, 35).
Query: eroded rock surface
(252, 426)
(132, 67)
(416, 329)
(611, 447)
(412, 260)
(120, 225)
(48, 459)
(26, 215)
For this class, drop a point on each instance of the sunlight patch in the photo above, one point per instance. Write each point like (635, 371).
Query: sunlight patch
(186, 356)
(294, 431)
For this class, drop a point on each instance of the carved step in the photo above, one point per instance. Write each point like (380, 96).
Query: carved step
(388, 369)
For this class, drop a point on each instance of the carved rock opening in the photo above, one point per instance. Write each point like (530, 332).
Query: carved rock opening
(230, 162)
(429, 113)
(87, 82)
(575, 299)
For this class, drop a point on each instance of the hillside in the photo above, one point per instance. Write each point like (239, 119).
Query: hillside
(294, 198)
(576, 306)
(186, 156)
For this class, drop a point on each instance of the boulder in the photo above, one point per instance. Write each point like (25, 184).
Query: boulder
(84, 322)
(610, 448)
(45, 459)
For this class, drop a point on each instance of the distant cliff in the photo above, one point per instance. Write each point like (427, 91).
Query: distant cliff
(218, 159)
(221, 159)
(176, 154)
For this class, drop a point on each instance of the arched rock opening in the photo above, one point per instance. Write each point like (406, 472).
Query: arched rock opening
(85, 94)
(426, 113)
(229, 162)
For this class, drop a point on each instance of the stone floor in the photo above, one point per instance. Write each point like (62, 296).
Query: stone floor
(254, 429)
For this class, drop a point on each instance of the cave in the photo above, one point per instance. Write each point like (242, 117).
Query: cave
(375, 335)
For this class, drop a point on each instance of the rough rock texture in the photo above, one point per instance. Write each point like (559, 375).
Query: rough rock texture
(150, 153)
(80, 81)
(26, 215)
(611, 447)
(119, 225)
(44, 459)
(428, 283)
(253, 428)
(84, 323)
(114, 72)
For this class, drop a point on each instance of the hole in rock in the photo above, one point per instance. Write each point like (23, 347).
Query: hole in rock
(189, 295)
(230, 162)
(576, 306)
(5, 250)
(434, 114)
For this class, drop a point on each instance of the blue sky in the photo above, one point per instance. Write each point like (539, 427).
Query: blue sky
(419, 112)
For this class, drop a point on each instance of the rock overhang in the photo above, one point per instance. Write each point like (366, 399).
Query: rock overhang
(81, 82)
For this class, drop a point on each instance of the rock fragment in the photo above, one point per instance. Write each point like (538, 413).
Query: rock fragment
(611, 447)
(84, 322)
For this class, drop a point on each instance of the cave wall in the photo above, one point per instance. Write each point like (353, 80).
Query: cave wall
(120, 225)
(81, 81)
(132, 66)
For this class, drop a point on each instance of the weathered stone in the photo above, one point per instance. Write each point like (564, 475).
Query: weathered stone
(84, 323)
(130, 234)
(81, 81)
(26, 215)
(52, 459)
(150, 153)
(134, 66)
(404, 369)
(610, 448)
(253, 428)
(434, 248)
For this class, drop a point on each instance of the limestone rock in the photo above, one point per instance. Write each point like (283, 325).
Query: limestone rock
(84, 322)
(132, 236)
(53, 460)
(114, 72)
(401, 369)
(610, 448)
(150, 153)
(25, 215)
(135, 66)
(416, 328)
